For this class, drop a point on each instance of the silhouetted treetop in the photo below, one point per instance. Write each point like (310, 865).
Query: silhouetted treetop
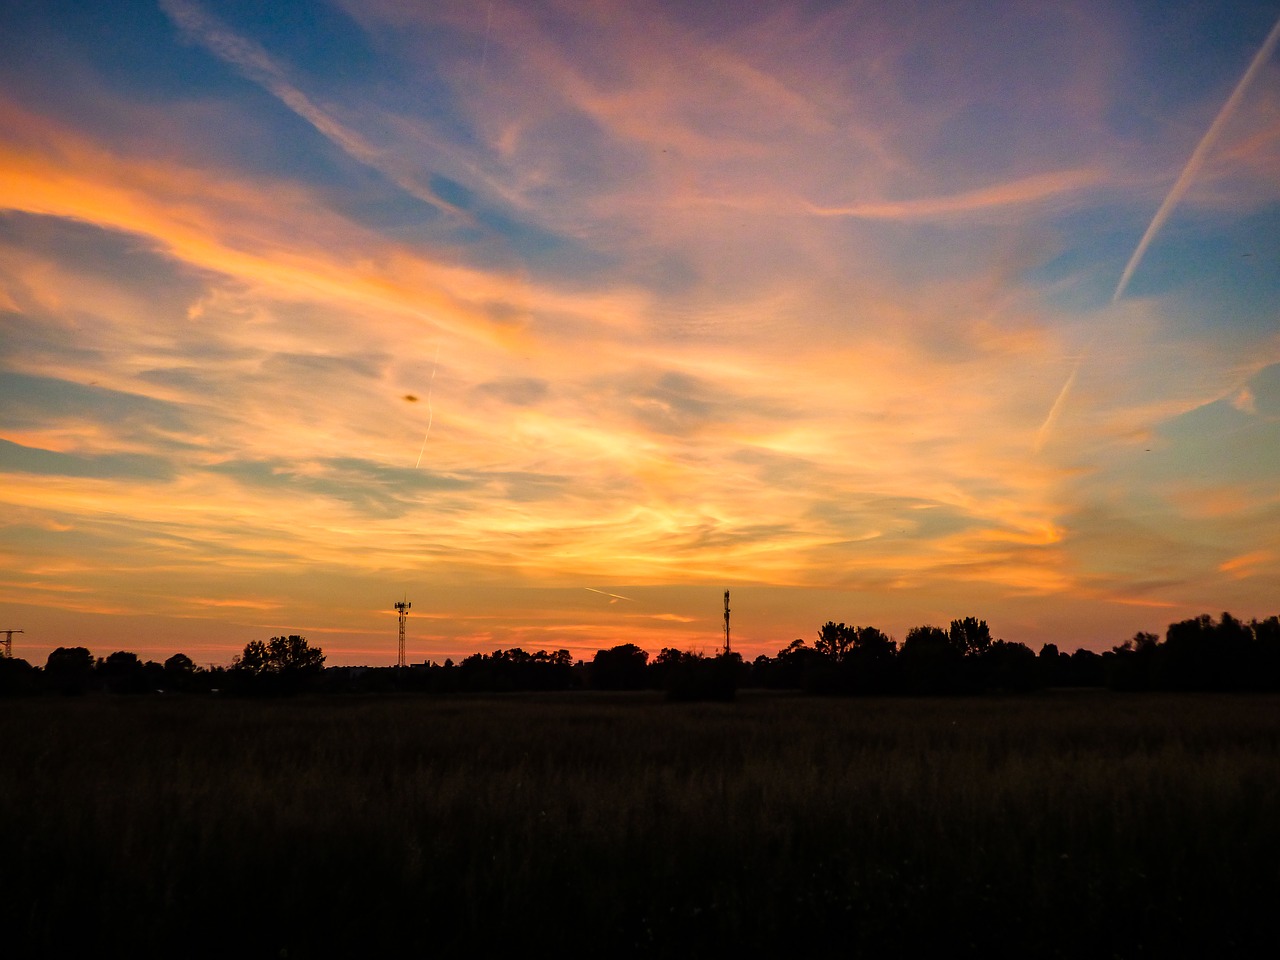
(69, 660)
(971, 636)
(291, 654)
(619, 668)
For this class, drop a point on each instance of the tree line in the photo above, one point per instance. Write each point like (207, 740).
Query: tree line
(279, 665)
(1197, 654)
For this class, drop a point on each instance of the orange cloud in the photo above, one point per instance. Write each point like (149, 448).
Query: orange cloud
(1247, 564)
(271, 235)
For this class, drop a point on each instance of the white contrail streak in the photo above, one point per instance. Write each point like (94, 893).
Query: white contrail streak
(1042, 435)
(615, 596)
(1171, 201)
(1197, 159)
(430, 413)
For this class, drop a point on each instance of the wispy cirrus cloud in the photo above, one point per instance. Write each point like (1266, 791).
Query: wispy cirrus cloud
(1027, 190)
(253, 61)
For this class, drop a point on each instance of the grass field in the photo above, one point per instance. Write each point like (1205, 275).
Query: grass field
(1061, 824)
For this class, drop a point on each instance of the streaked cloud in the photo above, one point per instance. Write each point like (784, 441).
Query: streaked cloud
(257, 65)
(1028, 190)
(1247, 564)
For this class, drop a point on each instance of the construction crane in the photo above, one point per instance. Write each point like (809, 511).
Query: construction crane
(8, 642)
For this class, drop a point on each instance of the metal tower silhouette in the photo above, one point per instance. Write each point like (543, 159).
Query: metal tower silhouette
(726, 623)
(403, 607)
(7, 651)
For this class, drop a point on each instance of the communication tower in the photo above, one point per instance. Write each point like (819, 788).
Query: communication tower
(726, 623)
(403, 608)
(7, 651)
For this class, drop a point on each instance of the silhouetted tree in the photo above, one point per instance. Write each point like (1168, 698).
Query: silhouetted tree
(1010, 667)
(292, 654)
(971, 636)
(476, 672)
(931, 662)
(510, 670)
(661, 666)
(619, 668)
(1085, 669)
(870, 666)
(122, 672)
(179, 673)
(69, 669)
(281, 665)
(834, 641)
(1266, 652)
(855, 660)
(1201, 654)
(1233, 643)
(794, 665)
(121, 661)
(773, 673)
(253, 660)
(691, 676)
(1054, 666)
(1189, 655)
(1132, 665)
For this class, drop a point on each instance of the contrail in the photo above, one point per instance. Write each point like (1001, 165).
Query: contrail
(1042, 435)
(430, 413)
(615, 596)
(1166, 208)
(1197, 159)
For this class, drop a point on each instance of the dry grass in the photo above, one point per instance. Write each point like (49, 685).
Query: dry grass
(1059, 824)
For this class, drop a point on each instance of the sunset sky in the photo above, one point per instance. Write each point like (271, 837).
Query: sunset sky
(560, 318)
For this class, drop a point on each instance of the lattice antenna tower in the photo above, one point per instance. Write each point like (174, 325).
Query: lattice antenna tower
(403, 609)
(726, 623)
(7, 650)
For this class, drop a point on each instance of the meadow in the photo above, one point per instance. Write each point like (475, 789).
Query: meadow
(1059, 824)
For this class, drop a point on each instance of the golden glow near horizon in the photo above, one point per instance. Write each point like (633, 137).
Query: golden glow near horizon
(810, 303)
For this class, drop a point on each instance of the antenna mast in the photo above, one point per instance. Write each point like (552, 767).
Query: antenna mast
(403, 608)
(8, 642)
(726, 623)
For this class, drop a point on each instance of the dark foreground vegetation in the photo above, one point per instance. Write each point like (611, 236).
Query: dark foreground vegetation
(1059, 824)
